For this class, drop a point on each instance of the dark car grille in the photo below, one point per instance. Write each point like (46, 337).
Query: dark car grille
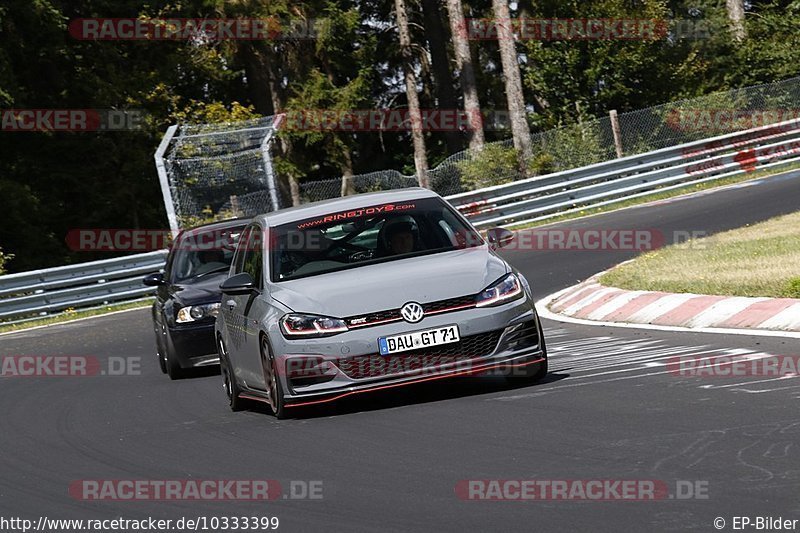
(393, 315)
(375, 365)
(441, 305)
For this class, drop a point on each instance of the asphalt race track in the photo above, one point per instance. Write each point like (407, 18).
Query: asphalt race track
(391, 461)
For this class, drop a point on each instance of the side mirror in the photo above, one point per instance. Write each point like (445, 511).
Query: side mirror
(499, 237)
(154, 280)
(239, 284)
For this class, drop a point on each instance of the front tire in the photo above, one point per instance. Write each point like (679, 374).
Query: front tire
(272, 381)
(536, 372)
(174, 369)
(159, 332)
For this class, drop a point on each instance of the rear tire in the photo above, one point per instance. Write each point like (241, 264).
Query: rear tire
(272, 381)
(229, 383)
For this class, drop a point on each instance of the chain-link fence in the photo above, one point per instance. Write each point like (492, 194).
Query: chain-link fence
(220, 171)
(592, 141)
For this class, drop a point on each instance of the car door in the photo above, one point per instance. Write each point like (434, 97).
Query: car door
(230, 307)
(253, 308)
(241, 309)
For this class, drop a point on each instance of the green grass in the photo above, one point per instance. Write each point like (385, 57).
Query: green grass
(758, 260)
(660, 196)
(71, 315)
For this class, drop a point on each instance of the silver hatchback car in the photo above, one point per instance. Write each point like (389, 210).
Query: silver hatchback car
(366, 293)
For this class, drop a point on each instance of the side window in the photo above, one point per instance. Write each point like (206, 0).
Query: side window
(241, 250)
(254, 256)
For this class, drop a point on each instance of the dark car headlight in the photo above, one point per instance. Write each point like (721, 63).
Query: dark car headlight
(303, 325)
(190, 313)
(502, 291)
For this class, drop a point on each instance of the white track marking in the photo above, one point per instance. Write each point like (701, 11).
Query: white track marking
(615, 304)
(545, 313)
(789, 318)
(660, 307)
(722, 311)
(580, 304)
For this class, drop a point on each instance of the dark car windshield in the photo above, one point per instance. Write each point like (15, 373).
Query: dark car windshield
(199, 254)
(368, 235)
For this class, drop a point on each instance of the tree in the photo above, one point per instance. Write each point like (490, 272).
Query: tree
(736, 16)
(330, 75)
(472, 106)
(438, 35)
(4, 258)
(513, 83)
(417, 135)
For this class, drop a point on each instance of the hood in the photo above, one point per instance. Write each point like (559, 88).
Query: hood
(389, 285)
(199, 291)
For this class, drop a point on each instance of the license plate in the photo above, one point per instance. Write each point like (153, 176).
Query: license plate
(416, 340)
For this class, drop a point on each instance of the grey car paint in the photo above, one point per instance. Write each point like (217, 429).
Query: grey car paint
(246, 319)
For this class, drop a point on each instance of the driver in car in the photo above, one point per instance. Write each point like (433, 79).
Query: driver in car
(401, 238)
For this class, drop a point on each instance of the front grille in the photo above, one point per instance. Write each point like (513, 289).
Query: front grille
(393, 315)
(461, 301)
(375, 365)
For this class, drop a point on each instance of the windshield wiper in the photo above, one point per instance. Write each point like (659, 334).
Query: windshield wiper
(213, 271)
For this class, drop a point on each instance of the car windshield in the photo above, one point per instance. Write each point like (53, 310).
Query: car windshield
(200, 254)
(380, 233)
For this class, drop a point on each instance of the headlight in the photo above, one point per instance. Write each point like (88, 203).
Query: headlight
(507, 289)
(299, 325)
(196, 312)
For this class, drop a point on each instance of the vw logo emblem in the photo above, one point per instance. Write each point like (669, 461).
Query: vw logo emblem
(412, 312)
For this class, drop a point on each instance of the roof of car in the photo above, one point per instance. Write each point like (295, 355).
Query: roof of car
(214, 226)
(345, 203)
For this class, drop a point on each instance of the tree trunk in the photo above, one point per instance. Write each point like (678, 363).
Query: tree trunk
(736, 16)
(437, 34)
(417, 135)
(287, 185)
(513, 82)
(258, 84)
(472, 106)
(348, 187)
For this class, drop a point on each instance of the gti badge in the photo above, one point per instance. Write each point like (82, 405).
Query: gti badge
(412, 312)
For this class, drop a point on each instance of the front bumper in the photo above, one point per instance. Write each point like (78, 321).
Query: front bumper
(194, 345)
(505, 340)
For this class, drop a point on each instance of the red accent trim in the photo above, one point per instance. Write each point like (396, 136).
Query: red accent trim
(446, 309)
(413, 382)
(256, 398)
(399, 319)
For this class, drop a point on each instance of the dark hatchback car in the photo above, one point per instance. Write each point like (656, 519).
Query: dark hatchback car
(188, 296)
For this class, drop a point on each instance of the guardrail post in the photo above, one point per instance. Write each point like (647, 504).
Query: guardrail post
(166, 192)
(617, 133)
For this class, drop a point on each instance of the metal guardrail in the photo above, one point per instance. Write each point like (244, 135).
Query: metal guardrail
(542, 197)
(53, 290)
